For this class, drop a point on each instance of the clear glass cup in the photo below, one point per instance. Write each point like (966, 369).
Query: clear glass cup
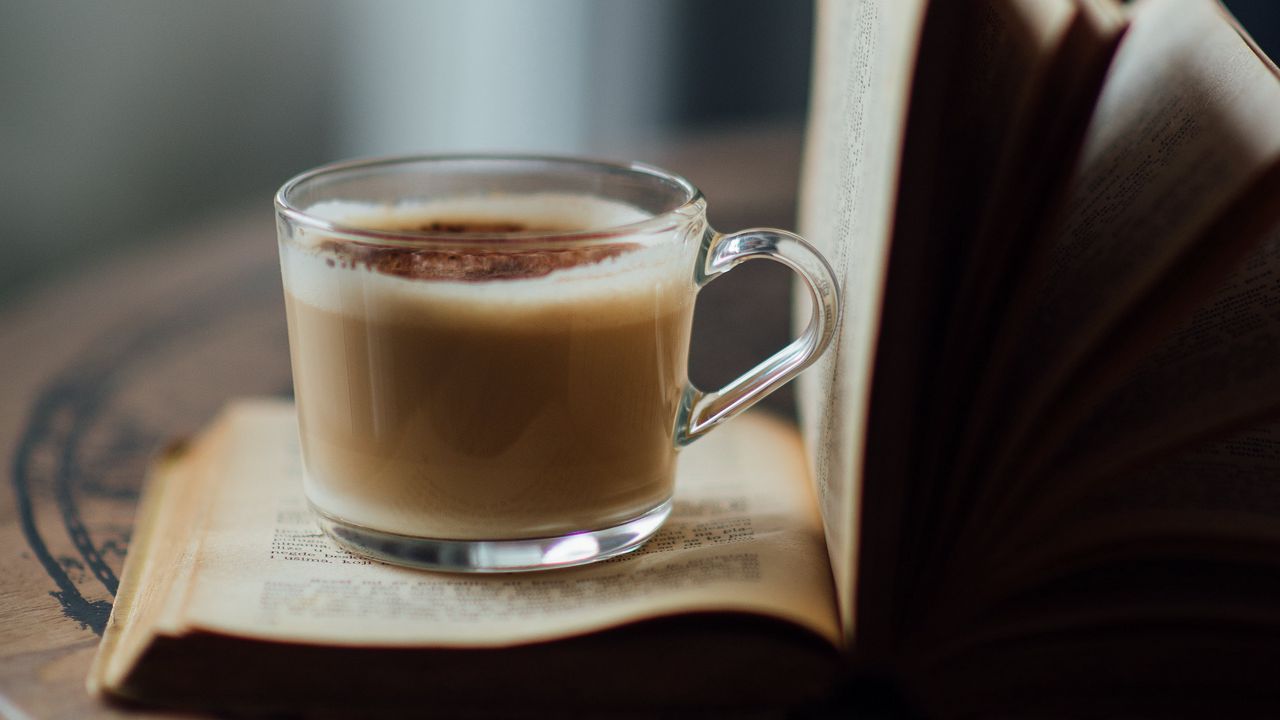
(489, 353)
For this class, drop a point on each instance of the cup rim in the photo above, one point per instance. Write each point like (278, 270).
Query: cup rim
(667, 220)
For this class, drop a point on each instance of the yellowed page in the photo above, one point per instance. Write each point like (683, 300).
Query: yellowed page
(863, 61)
(141, 582)
(745, 536)
(1187, 123)
(168, 533)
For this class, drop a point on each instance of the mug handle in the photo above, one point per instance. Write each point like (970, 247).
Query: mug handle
(699, 411)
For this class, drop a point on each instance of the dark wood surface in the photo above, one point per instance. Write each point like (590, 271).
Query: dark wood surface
(103, 368)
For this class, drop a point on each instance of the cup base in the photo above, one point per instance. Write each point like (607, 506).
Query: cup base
(493, 556)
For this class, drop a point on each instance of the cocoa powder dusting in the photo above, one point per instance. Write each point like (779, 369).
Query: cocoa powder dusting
(471, 265)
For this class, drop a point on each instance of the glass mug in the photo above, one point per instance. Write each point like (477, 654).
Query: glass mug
(489, 353)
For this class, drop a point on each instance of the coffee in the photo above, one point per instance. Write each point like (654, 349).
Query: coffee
(485, 390)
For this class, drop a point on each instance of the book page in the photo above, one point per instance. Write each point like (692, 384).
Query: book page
(1025, 93)
(1224, 492)
(1184, 129)
(1061, 55)
(863, 59)
(1217, 370)
(1218, 503)
(941, 103)
(745, 536)
(1165, 576)
(1017, 91)
(163, 550)
(152, 569)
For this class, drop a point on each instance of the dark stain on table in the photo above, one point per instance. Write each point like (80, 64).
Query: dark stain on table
(81, 394)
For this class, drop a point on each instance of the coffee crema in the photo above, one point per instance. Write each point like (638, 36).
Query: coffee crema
(488, 393)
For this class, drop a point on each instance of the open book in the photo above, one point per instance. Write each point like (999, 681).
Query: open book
(232, 595)
(1036, 471)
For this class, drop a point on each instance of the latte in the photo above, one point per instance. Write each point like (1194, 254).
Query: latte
(484, 390)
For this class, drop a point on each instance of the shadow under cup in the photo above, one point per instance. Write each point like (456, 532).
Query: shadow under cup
(489, 354)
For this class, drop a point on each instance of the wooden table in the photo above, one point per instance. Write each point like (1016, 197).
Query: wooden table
(103, 368)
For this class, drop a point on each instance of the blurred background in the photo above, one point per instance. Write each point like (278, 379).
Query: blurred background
(122, 121)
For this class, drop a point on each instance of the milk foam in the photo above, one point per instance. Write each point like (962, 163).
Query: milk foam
(659, 265)
(555, 209)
